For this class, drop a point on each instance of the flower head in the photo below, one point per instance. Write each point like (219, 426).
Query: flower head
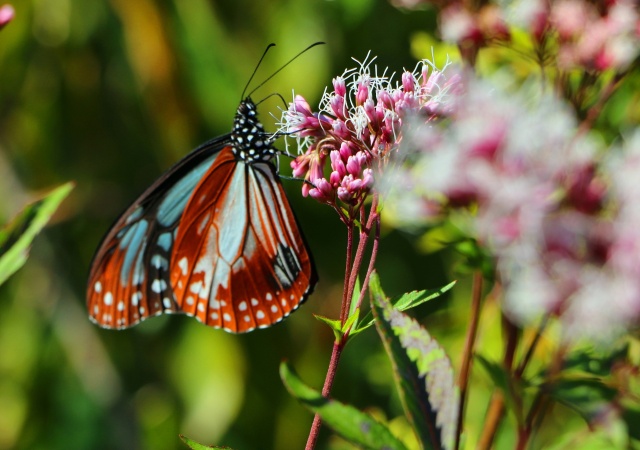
(358, 125)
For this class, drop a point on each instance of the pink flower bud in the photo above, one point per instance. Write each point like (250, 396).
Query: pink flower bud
(300, 106)
(408, 82)
(337, 164)
(353, 165)
(340, 129)
(363, 92)
(300, 166)
(337, 106)
(339, 86)
(367, 178)
(385, 100)
(345, 150)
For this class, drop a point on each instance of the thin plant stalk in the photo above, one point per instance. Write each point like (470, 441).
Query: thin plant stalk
(351, 271)
(467, 355)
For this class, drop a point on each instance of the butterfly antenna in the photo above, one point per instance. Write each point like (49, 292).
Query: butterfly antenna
(266, 50)
(275, 94)
(277, 71)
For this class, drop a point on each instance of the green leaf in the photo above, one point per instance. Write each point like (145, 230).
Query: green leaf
(335, 326)
(17, 236)
(354, 297)
(355, 426)
(197, 446)
(589, 397)
(416, 298)
(405, 302)
(423, 373)
(503, 380)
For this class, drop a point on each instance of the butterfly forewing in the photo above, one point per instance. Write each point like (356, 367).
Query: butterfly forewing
(214, 238)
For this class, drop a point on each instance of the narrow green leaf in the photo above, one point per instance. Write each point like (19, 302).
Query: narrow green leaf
(333, 324)
(16, 237)
(355, 297)
(423, 373)
(416, 298)
(355, 426)
(351, 320)
(197, 446)
(404, 302)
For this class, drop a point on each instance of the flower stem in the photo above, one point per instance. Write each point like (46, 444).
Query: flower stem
(347, 272)
(326, 390)
(352, 266)
(467, 355)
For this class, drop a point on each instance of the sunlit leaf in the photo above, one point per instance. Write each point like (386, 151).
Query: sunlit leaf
(423, 373)
(17, 236)
(353, 425)
(405, 302)
(197, 446)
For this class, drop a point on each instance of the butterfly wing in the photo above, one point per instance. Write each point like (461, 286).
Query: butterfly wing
(239, 260)
(129, 278)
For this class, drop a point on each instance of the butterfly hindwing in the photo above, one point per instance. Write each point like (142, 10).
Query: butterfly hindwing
(239, 261)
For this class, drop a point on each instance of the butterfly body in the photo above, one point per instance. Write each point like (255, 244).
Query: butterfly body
(214, 238)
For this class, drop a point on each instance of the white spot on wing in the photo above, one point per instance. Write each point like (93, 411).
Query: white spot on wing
(260, 315)
(254, 302)
(97, 287)
(158, 285)
(183, 264)
(242, 306)
(120, 306)
(108, 298)
(226, 317)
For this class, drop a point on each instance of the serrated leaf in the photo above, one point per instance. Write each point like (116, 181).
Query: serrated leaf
(17, 236)
(423, 373)
(197, 446)
(404, 302)
(353, 425)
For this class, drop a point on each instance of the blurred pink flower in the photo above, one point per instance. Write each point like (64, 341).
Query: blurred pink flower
(563, 227)
(6, 15)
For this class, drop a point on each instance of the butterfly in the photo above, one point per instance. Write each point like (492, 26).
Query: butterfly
(214, 238)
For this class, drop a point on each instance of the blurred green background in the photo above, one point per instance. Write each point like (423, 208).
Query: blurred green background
(110, 94)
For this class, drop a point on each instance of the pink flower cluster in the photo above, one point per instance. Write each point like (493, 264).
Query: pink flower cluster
(589, 35)
(359, 124)
(510, 170)
(593, 37)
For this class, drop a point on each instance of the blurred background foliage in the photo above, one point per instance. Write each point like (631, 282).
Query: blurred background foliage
(111, 93)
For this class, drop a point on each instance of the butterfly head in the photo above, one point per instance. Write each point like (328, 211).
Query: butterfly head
(250, 141)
